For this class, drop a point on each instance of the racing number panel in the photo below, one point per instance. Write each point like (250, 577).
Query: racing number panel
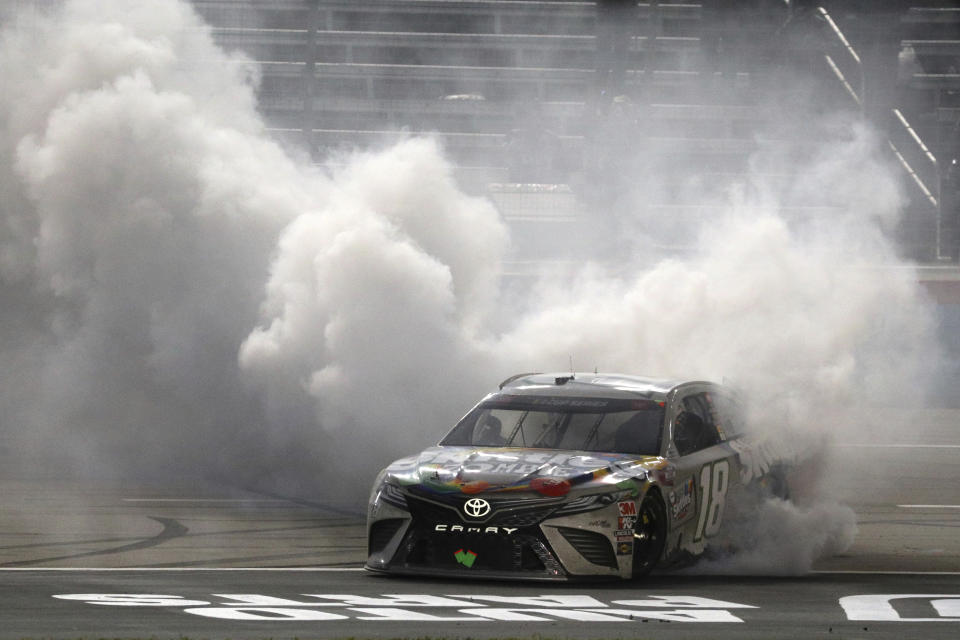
(708, 461)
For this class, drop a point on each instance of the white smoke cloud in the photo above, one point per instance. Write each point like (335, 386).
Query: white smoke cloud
(141, 204)
(375, 305)
(180, 293)
(778, 537)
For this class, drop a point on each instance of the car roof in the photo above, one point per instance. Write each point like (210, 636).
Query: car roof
(602, 385)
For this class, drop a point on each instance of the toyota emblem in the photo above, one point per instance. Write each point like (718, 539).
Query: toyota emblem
(476, 507)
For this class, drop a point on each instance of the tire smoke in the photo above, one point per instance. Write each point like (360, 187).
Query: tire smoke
(184, 296)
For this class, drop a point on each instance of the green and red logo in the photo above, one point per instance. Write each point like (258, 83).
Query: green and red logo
(466, 558)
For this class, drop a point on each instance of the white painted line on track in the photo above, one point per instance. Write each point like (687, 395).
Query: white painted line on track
(929, 506)
(201, 500)
(881, 572)
(898, 446)
(328, 569)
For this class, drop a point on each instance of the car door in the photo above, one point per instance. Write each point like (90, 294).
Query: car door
(706, 466)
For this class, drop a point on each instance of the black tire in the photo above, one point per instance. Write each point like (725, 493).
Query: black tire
(775, 483)
(649, 534)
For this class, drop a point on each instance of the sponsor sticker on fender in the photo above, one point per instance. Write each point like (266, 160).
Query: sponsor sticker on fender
(466, 558)
(681, 500)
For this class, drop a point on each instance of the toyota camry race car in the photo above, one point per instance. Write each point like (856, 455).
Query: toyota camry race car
(558, 476)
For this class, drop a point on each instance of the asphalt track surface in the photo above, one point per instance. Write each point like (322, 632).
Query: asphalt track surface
(98, 561)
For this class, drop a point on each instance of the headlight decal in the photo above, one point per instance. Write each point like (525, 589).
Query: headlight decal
(392, 494)
(591, 502)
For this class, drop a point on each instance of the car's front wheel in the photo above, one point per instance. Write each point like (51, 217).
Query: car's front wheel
(649, 534)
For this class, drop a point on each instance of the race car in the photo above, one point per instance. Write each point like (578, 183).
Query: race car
(563, 476)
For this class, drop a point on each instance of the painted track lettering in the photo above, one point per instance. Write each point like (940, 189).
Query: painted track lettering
(879, 607)
(410, 607)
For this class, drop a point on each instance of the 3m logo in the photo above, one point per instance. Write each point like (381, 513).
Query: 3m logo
(880, 608)
(627, 509)
(466, 558)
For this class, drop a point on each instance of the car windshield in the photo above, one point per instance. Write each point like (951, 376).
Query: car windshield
(578, 424)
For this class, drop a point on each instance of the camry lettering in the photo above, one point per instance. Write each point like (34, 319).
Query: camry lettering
(456, 528)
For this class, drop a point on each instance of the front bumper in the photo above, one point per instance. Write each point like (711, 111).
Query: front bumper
(524, 542)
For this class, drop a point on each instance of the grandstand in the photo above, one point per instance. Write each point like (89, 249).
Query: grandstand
(703, 97)
(513, 89)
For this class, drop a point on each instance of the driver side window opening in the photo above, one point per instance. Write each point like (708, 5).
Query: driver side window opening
(694, 428)
(729, 414)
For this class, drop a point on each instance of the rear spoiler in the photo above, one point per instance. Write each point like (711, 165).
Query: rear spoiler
(514, 377)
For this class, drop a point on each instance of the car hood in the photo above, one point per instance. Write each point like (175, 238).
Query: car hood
(547, 471)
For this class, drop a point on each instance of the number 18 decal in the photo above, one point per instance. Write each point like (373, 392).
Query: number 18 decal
(714, 480)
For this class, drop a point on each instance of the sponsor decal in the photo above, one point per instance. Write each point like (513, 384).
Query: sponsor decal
(272, 610)
(628, 508)
(603, 524)
(523, 461)
(466, 558)
(756, 458)
(551, 487)
(665, 475)
(459, 528)
(681, 500)
(539, 401)
(476, 507)
(624, 548)
(474, 487)
(623, 532)
(626, 523)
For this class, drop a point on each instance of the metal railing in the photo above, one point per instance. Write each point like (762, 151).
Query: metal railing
(927, 181)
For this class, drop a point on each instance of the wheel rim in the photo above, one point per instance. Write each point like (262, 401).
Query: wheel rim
(648, 536)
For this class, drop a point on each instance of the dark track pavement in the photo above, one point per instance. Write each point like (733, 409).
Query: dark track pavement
(273, 604)
(92, 541)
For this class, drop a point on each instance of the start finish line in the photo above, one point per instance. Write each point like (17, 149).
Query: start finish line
(492, 608)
